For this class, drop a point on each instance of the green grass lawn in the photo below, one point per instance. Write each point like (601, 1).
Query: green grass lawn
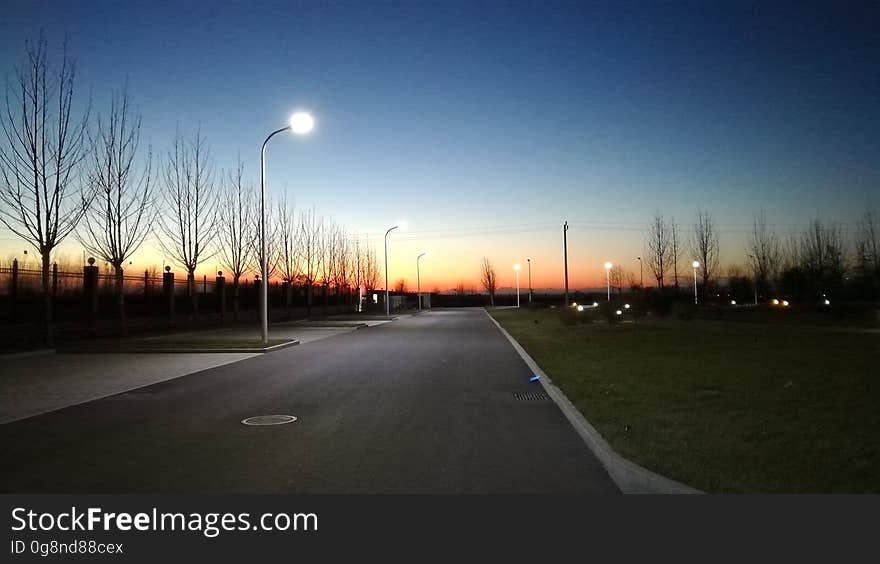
(723, 407)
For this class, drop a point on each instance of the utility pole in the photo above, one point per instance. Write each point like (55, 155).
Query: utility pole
(565, 252)
(528, 260)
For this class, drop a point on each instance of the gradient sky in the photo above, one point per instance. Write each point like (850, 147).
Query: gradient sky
(512, 116)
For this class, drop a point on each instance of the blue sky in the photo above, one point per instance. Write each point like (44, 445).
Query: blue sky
(457, 115)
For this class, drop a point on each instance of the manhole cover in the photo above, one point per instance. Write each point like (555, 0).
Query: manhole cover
(530, 396)
(269, 420)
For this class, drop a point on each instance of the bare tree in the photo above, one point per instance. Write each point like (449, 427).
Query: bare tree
(188, 223)
(42, 195)
(488, 279)
(341, 271)
(310, 228)
(822, 256)
(658, 249)
(237, 216)
(288, 249)
(868, 244)
(618, 277)
(400, 286)
(705, 246)
(328, 259)
(675, 251)
(371, 269)
(764, 252)
(121, 215)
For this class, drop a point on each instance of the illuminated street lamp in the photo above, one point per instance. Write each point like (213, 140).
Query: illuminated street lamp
(300, 123)
(419, 278)
(696, 265)
(608, 266)
(516, 268)
(400, 225)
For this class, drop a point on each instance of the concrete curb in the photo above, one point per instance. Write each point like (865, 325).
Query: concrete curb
(629, 476)
(180, 350)
(26, 354)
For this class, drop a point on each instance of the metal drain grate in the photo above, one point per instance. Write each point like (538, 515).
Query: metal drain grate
(530, 396)
(269, 420)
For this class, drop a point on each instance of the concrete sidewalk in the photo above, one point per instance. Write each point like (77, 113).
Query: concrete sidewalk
(38, 383)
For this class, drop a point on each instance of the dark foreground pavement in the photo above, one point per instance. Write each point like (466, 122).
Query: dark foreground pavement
(420, 405)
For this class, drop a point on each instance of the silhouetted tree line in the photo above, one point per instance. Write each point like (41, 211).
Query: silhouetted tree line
(64, 173)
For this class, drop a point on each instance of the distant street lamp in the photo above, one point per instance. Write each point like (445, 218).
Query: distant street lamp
(529, 261)
(301, 123)
(608, 266)
(400, 225)
(516, 268)
(419, 278)
(696, 265)
(641, 273)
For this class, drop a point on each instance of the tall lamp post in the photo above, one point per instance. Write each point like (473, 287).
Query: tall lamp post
(516, 268)
(696, 265)
(301, 123)
(419, 278)
(529, 262)
(641, 273)
(400, 225)
(608, 266)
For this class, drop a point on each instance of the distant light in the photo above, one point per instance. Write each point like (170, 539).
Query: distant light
(785, 303)
(626, 306)
(827, 302)
(580, 308)
(595, 304)
(574, 304)
(774, 302)
(619, 312)
(301, 123)
(517, 267)
(732, 302)
(696, 264)
(608, 266)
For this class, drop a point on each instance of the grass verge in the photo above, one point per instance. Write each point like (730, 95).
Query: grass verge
(723, 407)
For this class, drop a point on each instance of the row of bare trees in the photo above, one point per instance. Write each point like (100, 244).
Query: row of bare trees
(810, 261)
(63, 174)
(665, 246)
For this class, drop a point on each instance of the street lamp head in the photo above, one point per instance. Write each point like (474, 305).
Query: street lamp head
(301, 123)
(516, 267)
(401, 225)
(608, 266)
(696, 264)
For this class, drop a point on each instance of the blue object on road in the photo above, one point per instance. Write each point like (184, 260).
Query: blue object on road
(534, 378)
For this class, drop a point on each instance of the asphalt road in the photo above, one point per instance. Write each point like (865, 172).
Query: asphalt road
(421, 405)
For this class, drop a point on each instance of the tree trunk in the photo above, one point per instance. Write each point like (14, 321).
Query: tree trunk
(326, 298)
(288, 298)
(309, 293)
(191, 293)
(235, 298)
(47, 302)
(120, 300)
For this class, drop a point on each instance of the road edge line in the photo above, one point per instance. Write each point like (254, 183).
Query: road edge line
(627, 475)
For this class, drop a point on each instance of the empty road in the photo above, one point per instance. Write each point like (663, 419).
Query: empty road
(424, 404)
